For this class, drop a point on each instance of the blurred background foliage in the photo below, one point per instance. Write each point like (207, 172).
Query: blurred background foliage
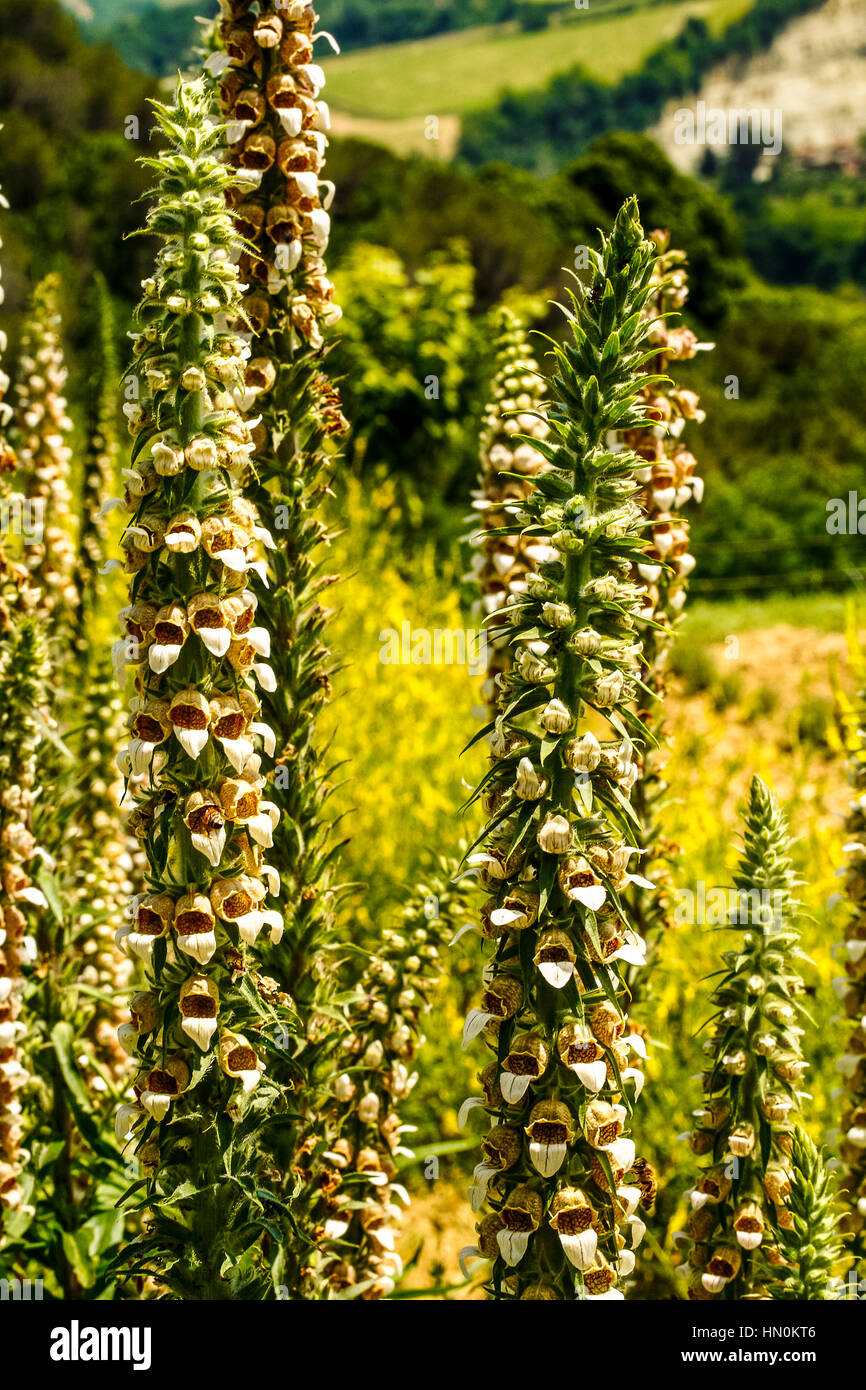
(423, 251)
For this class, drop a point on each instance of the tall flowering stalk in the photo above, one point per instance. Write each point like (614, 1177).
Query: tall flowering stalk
(43, 428)
(202, 1091)
(851, 987)
(98, 482)
(103, 873)
(560, 1086)
(23, 673)
(754, 1069)
(670, 484)
(808, 1242)
(349, 1160)
(358, 1215)
(511, 421)
(75, 1064)
(269, 90)
(269, 94)
(74, 1002)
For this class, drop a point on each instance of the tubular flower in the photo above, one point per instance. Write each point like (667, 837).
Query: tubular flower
(202, 926)
(751, 1095)
(553, 988)
(23, 673)
(511, 422)
(851, 987)
(43, 427)
(670, 485)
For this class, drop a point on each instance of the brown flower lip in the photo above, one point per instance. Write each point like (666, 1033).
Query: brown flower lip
(192, 922)
(241, 1059)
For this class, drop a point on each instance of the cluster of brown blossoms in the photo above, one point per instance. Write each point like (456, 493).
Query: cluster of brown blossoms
(269, 90)
(669, 483)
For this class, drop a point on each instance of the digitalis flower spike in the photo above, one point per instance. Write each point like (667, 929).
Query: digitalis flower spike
(99, 481)
(558, 1167)
(269, 92)
(754, 1071)
(23, 674)
(850, 987)
(199, 646)
(349, 1162)
(43, 429)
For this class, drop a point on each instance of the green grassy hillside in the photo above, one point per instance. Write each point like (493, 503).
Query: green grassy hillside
(456, 73)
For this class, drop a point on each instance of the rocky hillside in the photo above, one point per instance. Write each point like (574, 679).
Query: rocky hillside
(814, 73)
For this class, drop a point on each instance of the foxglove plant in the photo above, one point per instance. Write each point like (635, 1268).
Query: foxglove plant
(23, 673)
(358, 1175)
(43, 428)
(103, 874)
(77, 1069)
(558, 1170)
(503, 561)
(851, 987)
(349, 1161)
(269, 91)
(670, 484)
(22, 670)
(754, 1070)
(202, 1090)
(807, 1242)
(98, 483)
